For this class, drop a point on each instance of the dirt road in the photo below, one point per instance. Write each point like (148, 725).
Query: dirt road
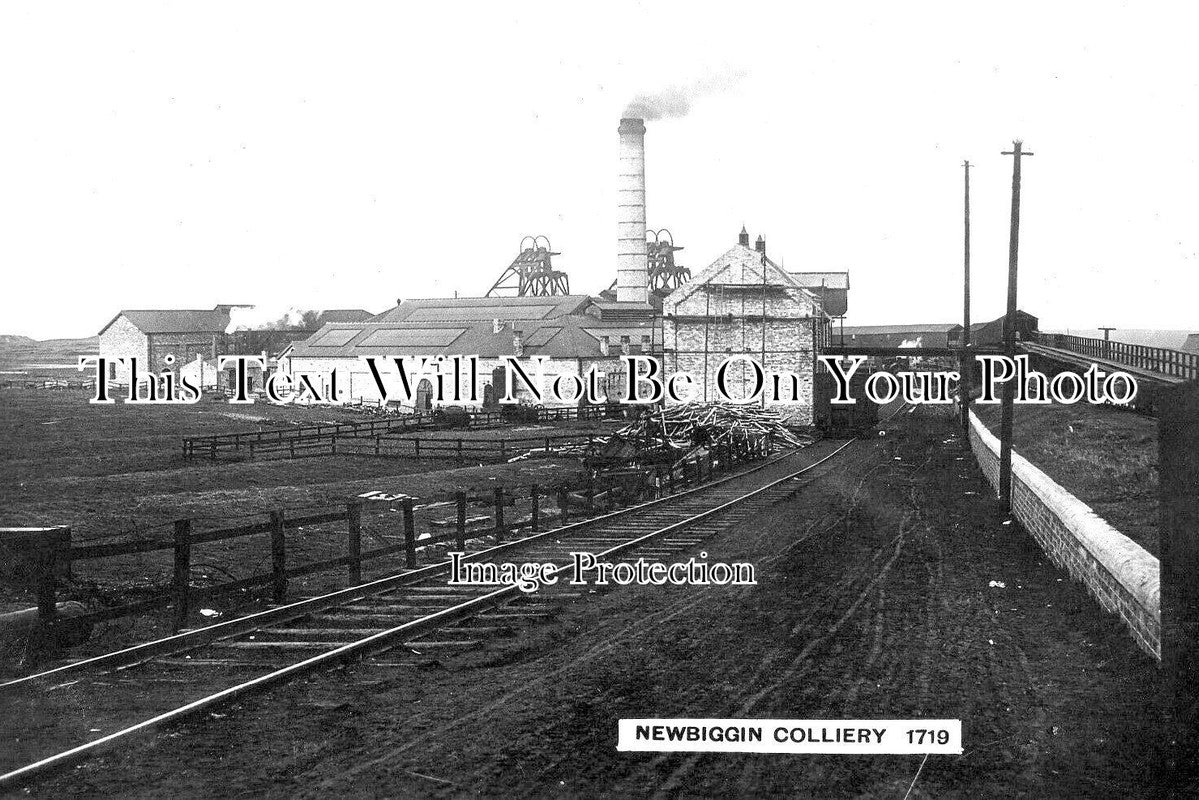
(875, 600)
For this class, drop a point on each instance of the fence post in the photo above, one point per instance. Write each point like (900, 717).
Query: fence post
(409, 535)
(278, 557)
(47, 551)
(460, 500)
(563, 505)
(1178, 471)
(416, 444)
(354, 539)
(503, 450)
(535, 501)
(459, 450)
(182, 581)
(499, 514)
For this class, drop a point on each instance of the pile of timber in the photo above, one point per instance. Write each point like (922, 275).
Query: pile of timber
(672, 434)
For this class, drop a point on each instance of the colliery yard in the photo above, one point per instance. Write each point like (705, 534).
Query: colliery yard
(885, 578)
(335, 591)
(413, 612)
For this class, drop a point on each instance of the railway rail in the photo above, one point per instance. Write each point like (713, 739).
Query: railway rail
(415, 611)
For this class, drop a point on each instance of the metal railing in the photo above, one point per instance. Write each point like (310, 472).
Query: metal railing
(1174, 363)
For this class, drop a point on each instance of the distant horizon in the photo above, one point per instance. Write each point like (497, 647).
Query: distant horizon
(1095, 333)
(142, 172)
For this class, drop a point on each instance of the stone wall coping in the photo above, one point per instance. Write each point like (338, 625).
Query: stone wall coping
(1134, 567)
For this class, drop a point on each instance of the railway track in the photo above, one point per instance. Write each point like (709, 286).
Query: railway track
(115, 697)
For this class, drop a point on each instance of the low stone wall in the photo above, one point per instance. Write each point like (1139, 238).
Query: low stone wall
(1122, 575)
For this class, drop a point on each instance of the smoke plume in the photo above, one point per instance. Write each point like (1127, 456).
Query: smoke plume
(675, 101)
(270, 317)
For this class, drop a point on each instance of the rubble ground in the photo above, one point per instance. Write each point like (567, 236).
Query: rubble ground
(888, 589)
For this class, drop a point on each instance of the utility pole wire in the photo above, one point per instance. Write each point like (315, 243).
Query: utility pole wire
(965, 365)
(1009, 332)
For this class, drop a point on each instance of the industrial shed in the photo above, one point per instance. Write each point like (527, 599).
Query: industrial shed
(151, 335)
(573, 343)
(916, 336)
(744, 304)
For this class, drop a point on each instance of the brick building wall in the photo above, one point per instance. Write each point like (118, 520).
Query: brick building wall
(123, 339)
(722, 313)
(183, 346)
(1118, 572)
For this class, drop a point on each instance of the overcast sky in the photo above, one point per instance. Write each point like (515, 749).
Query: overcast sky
(178, 156)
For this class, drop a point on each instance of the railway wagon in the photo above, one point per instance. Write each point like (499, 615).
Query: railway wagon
(837, 419)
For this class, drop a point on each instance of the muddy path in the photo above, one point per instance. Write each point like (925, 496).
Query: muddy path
(878, 597)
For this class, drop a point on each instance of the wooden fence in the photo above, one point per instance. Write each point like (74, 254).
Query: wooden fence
(1164, 361)
(50, 551)
(47, 383)
(462, 448)
(327, 439)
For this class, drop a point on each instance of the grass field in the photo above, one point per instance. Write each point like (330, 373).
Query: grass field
(1105, 456)
(116, 472)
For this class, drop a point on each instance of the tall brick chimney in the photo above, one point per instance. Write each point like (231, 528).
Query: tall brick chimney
(632, 256)
(760, 245)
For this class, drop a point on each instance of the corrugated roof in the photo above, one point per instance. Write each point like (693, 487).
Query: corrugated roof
(854, 330)
(344, 315)
(480, 309)
(564, 338)
(412, 337)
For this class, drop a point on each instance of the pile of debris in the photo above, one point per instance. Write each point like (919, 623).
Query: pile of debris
(671, 434)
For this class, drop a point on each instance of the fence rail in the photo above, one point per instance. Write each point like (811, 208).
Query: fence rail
(50, 551)
(1175, 363)
(327, 439)
(47, 383)
(464, 448)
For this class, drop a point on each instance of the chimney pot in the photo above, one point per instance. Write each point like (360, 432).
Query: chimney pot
(743, 237)
(496, 325)
(604, 345)
(760, 245)
(518, 342)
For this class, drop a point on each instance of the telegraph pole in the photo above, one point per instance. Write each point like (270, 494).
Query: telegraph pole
(1009, 331)
(965, 365)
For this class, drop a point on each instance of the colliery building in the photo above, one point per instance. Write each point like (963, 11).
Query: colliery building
(745, 305)
(189, 341)
(574, 333)
(742, 304)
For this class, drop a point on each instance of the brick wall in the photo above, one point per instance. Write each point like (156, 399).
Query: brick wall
(723, 312)
(123, 339)
(1118, 572)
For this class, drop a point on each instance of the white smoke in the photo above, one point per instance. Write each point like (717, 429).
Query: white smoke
(268, 317)
(675, 101)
